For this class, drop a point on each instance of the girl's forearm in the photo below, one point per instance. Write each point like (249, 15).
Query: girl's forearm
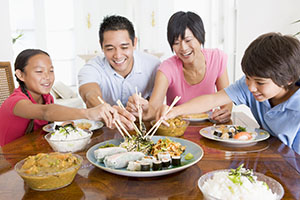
(56, 112)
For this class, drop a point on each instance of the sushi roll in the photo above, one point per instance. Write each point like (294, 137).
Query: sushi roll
(218, 133)
(149, 159)
(166, 162)
(162, 155)
(134, 165)
(157, 165)
(230, 134)
(176, 161)
(145, 166)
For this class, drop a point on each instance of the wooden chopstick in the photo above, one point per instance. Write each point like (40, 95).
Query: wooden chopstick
(116, 122)
(158, 123)
(139, 108)
(133, 124)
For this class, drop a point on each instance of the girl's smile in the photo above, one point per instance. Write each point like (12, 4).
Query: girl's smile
(38, 75)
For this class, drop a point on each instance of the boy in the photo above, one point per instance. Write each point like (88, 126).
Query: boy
(272, 68)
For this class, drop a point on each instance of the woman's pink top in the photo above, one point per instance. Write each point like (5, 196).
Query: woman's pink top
(12, 126)
(172, 68)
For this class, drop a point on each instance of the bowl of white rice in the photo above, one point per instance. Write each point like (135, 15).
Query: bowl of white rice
(69, 139)
(239, 184)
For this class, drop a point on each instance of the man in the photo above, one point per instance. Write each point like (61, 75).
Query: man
(115, 76)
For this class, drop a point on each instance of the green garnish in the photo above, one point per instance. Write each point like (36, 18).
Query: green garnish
(107, 145)
(236, 174)
(265, 184)
(189, 156)
(231, 189)
(241, 129)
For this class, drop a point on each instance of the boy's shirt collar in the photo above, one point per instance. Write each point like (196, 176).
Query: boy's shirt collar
(293, 103)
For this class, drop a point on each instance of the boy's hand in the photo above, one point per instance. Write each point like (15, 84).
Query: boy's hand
(222, 115)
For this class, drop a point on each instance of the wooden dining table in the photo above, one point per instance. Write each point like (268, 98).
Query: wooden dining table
(270, 157)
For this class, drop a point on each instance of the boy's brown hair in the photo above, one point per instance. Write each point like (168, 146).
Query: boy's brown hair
(274, 56)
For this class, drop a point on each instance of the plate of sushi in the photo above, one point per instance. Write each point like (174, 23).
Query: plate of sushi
(84, 124)
(138, 157)
(234, 134)
(198, 117)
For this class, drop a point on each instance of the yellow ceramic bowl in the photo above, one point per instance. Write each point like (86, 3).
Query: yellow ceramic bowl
(177, 127)
(42, 181)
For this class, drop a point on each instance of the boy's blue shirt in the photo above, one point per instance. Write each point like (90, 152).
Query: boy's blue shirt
(282, 121)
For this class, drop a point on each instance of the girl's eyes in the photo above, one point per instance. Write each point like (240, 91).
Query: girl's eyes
(260, 83)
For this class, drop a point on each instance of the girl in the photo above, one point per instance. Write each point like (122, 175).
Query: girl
(192, 72)
(269, 88)
(31, 106)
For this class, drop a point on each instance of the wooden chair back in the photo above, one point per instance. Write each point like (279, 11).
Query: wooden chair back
(7, 85)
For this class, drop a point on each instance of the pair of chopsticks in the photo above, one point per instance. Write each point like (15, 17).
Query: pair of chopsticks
(118, 124)
(133, 124)
(140, 110)
(158, 123)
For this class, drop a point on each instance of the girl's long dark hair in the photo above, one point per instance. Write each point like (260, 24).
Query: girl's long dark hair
(22, 61)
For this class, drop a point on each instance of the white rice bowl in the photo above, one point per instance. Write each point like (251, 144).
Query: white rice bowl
(216, 185)
(72, 141)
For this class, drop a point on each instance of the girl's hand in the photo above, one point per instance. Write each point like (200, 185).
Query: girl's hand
(103, 112)
(221, 115)
(132, 104)
(125, 117)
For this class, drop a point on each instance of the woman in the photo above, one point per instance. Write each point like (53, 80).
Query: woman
(192, 72)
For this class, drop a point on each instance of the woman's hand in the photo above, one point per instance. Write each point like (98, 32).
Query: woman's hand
(103, 112)
(132, 104)
(162, 113)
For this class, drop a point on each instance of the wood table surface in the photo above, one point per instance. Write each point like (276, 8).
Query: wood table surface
(269, 157)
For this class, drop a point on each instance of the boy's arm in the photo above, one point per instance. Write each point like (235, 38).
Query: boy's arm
(89, 93)
(199, 104)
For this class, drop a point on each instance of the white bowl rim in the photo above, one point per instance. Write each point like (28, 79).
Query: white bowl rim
(47, 137)
(280, 196)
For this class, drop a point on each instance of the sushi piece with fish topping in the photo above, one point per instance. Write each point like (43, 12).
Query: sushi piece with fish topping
(243, 136)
